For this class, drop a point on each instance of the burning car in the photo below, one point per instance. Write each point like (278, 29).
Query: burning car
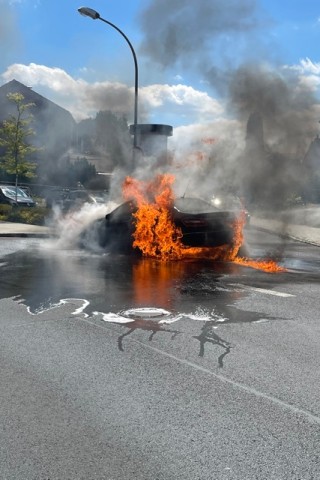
(193, 222)
(205, 224)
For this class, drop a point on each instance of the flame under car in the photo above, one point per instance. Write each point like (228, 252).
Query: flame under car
(201, 223)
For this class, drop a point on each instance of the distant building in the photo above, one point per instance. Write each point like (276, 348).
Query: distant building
(54, 126)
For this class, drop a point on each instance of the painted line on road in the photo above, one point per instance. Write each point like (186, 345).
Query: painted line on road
(309, 416)
(263, 290)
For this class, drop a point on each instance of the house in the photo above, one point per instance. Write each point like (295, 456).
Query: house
(54, 126)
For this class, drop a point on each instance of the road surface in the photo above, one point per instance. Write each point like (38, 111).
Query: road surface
(118, 368)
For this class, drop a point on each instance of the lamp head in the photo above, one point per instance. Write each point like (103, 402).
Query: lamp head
(89, 12)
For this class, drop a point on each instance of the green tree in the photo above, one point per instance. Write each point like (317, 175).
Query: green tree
(14, 134)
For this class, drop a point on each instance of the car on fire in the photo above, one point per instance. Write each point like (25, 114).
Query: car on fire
(202, 222)
(15, 196)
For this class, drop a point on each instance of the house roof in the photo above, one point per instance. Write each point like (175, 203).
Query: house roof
(31, 96)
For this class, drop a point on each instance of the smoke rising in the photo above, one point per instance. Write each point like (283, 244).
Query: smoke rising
(287, 108)
(181, 31)
(113, 96)
(227, 43)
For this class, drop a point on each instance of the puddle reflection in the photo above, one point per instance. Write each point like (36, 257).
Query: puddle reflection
(208, 335)
(148, 325)
(191, 291)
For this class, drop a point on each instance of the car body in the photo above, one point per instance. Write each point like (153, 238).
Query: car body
(202, 223)
(206, 223)
(15, 196)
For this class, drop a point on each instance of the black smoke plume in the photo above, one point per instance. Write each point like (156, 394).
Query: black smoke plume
(228, 45)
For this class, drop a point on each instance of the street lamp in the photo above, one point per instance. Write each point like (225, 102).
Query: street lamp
(89, 12)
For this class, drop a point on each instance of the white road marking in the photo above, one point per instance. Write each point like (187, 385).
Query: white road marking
(263, 290)
(241, 386)
(250, 390)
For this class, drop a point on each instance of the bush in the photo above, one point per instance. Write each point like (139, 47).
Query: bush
(30, 215)
(5, 211)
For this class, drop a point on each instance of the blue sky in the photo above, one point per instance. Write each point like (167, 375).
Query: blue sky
(189, 57)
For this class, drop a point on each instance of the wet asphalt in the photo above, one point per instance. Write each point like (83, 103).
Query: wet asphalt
(122, 368)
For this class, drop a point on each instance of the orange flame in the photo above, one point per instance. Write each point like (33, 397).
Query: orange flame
(266, 265)
(156, 236)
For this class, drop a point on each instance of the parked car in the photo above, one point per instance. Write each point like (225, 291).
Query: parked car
(202, 223)
(15, 196)
(74, 200)
(71, 200)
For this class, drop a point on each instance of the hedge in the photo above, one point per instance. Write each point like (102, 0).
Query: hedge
(30, 215)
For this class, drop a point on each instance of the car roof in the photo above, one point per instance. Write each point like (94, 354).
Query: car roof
(24, 189)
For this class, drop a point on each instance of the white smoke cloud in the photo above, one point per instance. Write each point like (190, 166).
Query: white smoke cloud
(191, 137)
(195, 146)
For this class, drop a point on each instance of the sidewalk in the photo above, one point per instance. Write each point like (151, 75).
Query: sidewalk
(302, 233)
(12, 229)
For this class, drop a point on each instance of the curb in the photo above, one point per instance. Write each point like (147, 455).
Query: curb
(12, 229)
(26, 235)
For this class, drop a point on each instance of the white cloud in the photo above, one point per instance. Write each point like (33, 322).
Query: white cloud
(309, 73)
(182, 100)
(81, 98)
(34, 74)
(307, 66)
(85, 99)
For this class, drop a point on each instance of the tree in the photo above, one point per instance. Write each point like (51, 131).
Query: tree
(14, 134)
(84, 171)
(112, 136)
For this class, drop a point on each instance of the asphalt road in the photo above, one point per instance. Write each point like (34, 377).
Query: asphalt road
(117, 369)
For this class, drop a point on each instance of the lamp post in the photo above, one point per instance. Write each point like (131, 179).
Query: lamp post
(89, 12)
